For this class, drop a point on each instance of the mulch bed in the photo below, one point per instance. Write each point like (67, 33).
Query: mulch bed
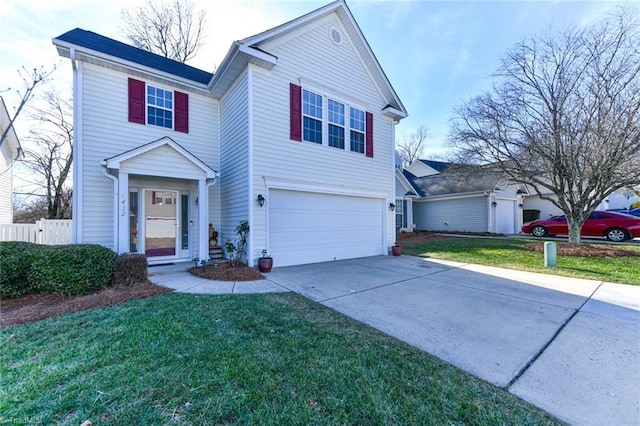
(226, 272)
(422, 236)
(586, 250)
(35, 307)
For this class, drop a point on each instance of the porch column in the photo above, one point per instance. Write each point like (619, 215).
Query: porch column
(203, 220)
(122, 240)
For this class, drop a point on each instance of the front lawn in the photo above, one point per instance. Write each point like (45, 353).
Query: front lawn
(255, 359)
(514, 253)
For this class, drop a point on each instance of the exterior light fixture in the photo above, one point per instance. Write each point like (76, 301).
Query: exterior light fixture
(261, 200)
(392, 206)
(494, 204)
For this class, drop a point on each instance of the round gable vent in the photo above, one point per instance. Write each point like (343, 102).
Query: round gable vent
(335, 35)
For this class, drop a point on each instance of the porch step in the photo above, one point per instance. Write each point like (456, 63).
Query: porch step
(216, 253)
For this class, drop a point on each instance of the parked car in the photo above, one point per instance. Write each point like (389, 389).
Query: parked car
(614, 226)
(635, 212)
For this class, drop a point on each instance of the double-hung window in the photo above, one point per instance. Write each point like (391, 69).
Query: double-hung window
(159, 107)
(311, 117)
(336, 124)
(357, 127)
(323, 120)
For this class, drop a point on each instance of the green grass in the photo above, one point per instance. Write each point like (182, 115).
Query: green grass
(255, 359)
(511, 253)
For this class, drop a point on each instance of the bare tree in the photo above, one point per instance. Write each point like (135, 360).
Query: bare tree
(48, 154)
(29, 210)
(411, 147)
(174, 30)
(37, 77)
(563, 116)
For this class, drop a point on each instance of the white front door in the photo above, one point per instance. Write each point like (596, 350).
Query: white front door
(161, 225)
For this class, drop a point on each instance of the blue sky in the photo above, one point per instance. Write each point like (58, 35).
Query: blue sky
(436, 54)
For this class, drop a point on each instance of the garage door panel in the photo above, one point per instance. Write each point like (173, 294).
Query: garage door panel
(505, 217)
(310, 227)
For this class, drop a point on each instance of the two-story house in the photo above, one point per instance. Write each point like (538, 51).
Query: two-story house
(294, 133)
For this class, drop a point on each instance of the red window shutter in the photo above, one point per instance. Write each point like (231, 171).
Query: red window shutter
(369, 135)
(295, 112)
(181, 104)
(136, 101)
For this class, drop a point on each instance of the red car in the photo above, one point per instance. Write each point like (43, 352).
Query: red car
(614, 226)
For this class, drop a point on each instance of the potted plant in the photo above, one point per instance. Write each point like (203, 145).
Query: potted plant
(265, 263)
(396, 249)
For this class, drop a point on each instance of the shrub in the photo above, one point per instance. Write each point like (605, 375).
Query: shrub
(130, 268)
(16, 258)
(72, 270)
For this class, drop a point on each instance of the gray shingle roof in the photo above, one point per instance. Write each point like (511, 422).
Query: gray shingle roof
(438, 166)
(111, 47)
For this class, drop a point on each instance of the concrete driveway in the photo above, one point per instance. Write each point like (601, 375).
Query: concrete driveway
(569, 346)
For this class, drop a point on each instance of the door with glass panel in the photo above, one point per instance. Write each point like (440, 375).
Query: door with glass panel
(161, 224)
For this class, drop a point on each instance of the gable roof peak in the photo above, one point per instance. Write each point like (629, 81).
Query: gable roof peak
(394, 107)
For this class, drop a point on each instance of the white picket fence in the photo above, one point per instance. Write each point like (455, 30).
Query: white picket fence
(45, 231)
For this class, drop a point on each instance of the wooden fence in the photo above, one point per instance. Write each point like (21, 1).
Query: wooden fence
(45, 231)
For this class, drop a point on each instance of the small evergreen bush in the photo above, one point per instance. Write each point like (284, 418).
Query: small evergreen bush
(72, 269)
(130, 268)
(16, 258)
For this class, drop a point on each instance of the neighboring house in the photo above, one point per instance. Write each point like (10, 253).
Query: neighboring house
(10, 151)
(447, 200)
(620, 199)
(300, 117)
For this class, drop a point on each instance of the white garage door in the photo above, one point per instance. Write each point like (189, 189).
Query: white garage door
(309, 227)
(505, 217)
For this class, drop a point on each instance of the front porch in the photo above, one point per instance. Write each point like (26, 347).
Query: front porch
(162, 196)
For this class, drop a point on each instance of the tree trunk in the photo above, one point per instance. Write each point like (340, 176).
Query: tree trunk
(574, 231)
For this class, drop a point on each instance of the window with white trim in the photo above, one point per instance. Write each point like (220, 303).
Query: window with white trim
(356, 131)
(336, 124)
(159, 107)
(311, 117)
(324, 120)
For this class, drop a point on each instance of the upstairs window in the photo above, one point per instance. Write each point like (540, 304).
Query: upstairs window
(311, 117)
(357, 127)
(336, 124)
(159, 107)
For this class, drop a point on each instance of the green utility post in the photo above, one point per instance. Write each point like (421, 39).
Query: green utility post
(550, 254)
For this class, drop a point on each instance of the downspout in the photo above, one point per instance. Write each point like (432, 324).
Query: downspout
(76, 197)
(116, 239)
(203, 219)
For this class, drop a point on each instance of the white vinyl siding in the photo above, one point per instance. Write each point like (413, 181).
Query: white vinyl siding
(339, 72)
(163, 161)
(6, 182)
(107, 133)
(234, 171)
(461, 214)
